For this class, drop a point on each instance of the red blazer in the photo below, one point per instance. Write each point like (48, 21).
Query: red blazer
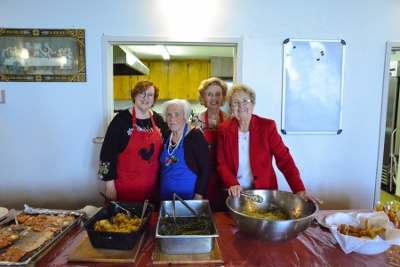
(265, 143)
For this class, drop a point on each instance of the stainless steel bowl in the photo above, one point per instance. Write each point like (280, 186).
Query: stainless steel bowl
(301, 214)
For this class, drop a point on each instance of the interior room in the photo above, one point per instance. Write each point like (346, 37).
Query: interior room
(53, 120)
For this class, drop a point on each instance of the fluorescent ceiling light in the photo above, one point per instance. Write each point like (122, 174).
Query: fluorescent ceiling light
(163, 51)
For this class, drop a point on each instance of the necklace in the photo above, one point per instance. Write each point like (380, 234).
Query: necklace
(213, 121)
(147, 127)
(173, 146)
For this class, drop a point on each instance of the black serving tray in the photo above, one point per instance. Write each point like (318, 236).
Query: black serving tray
(118, 241)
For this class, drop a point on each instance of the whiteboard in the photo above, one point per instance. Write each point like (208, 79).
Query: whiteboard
(312, 97)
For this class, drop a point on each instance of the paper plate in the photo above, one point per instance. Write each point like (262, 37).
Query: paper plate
(3, 212)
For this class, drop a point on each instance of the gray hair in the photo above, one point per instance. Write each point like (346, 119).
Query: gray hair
(181, 103)
(236, 88)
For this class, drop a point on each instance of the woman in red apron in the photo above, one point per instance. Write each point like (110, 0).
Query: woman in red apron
(131, 148)
(212, 93)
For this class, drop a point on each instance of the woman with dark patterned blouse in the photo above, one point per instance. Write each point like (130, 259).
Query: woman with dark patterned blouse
(129, 155)
(212, 93)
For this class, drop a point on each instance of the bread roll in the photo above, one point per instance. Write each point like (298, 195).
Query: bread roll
(367, 223)
(370, 232)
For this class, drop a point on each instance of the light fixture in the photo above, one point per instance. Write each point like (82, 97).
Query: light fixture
(163, 51)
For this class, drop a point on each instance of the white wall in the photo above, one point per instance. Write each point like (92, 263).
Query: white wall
(48, 159)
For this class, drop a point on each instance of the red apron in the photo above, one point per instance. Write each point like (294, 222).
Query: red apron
(215, 195)
(138, 166)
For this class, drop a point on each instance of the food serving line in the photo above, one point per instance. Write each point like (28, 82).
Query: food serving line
(315, 247)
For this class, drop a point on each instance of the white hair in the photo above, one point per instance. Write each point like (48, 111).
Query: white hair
(181, 103)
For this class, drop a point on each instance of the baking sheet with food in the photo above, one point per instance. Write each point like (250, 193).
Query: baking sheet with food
(33, 234)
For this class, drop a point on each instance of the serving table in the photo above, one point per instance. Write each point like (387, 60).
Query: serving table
(315, 247)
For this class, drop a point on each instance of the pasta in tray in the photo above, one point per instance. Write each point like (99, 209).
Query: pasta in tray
(119, 223)
(267, 215)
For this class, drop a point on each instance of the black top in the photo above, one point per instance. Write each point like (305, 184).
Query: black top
(117, 139)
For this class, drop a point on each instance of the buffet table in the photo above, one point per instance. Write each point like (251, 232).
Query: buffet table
(315, 247)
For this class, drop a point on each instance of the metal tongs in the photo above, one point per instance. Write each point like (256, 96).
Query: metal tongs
(128, 213)
(174, 197)
(254, 198)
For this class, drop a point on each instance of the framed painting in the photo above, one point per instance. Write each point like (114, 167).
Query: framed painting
(42, 55)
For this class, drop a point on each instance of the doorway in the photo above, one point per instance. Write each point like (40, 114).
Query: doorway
(107, 58)
(387, 174)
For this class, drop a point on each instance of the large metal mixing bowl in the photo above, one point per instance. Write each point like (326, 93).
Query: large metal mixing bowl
(301, 214)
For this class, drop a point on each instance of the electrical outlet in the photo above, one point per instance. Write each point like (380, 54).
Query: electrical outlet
(2, 97)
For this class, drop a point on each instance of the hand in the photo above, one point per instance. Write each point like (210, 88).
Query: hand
(111, 191)
(305, 196)
(199, 128)
(235, 190)
(197, 197)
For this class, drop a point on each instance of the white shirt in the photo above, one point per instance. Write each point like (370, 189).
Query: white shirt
(244, 175)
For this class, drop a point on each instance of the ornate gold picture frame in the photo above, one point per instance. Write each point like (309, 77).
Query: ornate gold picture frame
(42, 55)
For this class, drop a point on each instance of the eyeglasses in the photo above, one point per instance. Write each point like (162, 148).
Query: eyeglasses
(237, 102)
(149, 95)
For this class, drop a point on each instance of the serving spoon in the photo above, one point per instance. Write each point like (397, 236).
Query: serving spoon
(146, 202)
(254, 198)
(128, 213)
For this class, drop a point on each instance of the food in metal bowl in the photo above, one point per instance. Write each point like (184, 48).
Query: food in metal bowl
(266, 214)
(300, 213)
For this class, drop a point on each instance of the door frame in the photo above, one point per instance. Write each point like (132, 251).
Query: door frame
(107, 58)
(390, 45)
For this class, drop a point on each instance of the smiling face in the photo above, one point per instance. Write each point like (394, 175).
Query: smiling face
(242, 107)
(213, 97)
(175, 119)
(144, 100)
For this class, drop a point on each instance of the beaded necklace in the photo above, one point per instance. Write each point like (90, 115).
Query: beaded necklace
(173, 146)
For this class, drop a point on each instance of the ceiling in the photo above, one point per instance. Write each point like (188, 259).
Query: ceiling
(180, 52)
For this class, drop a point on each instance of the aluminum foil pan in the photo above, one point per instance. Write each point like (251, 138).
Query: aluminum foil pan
(34, 255)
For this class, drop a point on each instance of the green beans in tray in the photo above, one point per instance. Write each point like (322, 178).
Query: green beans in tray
(185, 226)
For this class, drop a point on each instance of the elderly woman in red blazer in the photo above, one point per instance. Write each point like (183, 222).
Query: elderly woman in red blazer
(246, 145)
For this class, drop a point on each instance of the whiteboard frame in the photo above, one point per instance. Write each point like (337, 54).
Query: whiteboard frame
(285, 52)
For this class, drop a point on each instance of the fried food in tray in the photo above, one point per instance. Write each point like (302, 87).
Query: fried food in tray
(19, 243)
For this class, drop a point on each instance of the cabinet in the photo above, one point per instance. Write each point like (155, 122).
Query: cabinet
(159, 76)
(175, 79)
(122, 87)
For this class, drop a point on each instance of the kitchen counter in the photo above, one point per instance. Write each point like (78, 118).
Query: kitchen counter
(315, 247)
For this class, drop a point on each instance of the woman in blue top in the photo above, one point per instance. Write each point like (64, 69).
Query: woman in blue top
(185, 160)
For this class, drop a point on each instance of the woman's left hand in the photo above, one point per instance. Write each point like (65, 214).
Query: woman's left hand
(197, 197)
(305, 196)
